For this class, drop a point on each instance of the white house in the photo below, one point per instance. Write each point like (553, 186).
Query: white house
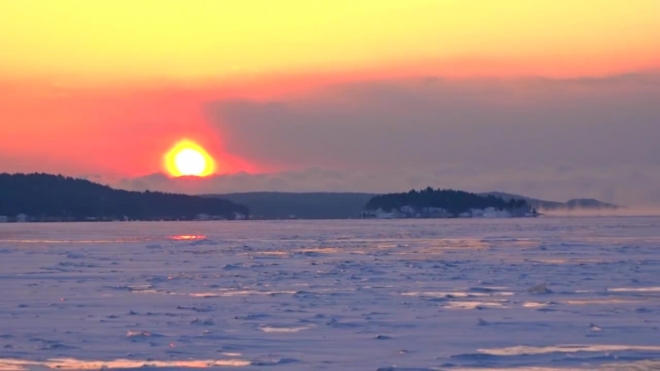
(4, 219)
(22, 218)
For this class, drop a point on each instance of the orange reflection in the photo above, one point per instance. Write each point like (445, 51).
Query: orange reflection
(77, 364)
(188, 237)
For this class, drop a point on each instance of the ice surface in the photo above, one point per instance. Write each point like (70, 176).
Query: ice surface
(522, 294)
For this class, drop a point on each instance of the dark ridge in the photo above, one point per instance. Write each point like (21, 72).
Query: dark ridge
(288, 205)
(45, 197)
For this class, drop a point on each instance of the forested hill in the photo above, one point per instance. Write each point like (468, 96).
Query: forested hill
(48, 197)
(444, 203)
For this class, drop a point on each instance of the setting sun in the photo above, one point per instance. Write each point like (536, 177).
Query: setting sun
(187, 158)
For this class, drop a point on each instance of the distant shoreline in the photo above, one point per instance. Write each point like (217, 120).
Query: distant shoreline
(53, 198)
(540, 216)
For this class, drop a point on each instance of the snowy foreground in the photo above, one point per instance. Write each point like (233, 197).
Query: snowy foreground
(521, 294)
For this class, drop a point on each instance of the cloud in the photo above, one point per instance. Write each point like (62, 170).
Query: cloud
(550, 137)
(558, 184)
(481, 123)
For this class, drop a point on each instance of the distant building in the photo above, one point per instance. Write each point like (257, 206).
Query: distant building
(4, 219)
(239, 216)
(22, 218)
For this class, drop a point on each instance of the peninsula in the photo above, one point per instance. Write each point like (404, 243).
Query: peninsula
(52, 198)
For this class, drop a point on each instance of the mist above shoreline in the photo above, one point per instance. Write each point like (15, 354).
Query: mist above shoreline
(622, 211)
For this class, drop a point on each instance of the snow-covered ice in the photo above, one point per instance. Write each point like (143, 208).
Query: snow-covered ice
(467, 294)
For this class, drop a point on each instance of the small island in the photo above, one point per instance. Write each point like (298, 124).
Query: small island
(55, 198)
(437, 203)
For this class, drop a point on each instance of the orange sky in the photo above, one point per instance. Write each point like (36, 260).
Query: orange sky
(106, 87)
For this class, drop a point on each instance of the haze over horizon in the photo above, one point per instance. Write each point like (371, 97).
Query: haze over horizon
(549, 99)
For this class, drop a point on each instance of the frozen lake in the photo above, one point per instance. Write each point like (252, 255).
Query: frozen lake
(526, 294)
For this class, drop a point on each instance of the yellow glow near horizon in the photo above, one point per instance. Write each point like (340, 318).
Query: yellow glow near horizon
(209, 39)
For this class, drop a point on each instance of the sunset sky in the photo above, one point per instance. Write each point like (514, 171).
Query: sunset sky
(550, 98)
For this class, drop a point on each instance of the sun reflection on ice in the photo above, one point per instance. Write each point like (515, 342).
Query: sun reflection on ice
(188, 237)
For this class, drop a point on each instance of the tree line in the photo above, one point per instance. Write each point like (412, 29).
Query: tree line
(56, 197)
(453, 201)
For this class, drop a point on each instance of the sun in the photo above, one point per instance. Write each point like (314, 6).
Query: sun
(190, 162)
(187, 158)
